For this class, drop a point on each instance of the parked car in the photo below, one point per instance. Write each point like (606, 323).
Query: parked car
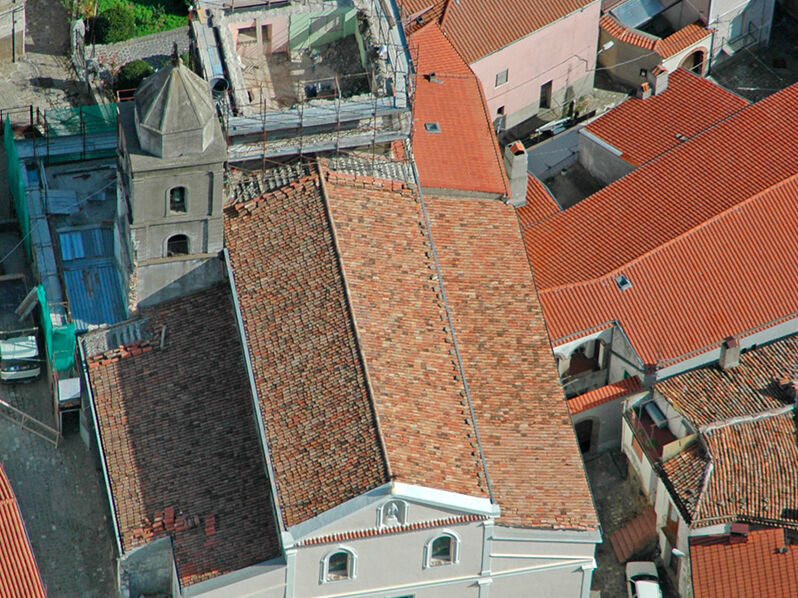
(642, 580)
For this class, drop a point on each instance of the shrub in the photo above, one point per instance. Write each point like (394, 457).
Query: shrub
(115, 24)
(132, 74)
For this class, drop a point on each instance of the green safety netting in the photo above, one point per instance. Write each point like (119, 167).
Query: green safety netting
(80, 120)
(16, 184)
(60, 340)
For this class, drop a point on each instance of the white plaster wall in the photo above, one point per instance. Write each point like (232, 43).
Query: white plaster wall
(624, 362)
(393, 563)
(563, 52)
(732, 18)
(640, 465)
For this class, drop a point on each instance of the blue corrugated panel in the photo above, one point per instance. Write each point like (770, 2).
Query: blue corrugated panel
(216, 61)
(86, 244)
(95, 295)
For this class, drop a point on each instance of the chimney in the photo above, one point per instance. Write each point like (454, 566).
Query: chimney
(729, 353)
(515, 161)
(658, 79)
(644, 91)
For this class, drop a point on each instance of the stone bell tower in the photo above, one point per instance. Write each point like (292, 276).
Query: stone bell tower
(171, 167)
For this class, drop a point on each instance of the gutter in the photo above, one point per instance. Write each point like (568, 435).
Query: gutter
(85, 370)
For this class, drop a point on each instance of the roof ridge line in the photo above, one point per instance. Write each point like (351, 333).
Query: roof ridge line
(720, 215)
(322, 172)
(747, 419)
(450, 321)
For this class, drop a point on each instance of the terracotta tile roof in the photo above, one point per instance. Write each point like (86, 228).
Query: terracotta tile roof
(746, 463)
(319, 420)
(454, 100)
(722, 202)
(180, 441)
(19, 574)
(665, 47)
(602, 395)
(509, 366)
(387, 277)
(645, 129)
(708, 395)
(684, 473)
(752, 468)
(540, 203)
(755, 567)
(479, 28)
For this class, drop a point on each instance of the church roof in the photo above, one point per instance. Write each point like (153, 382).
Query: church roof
(174, 100)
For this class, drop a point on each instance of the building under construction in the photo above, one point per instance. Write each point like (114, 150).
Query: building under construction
(299, 76)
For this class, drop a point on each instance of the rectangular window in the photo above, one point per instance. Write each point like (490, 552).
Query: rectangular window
(501, 78)
(545, 95)
(637, 448)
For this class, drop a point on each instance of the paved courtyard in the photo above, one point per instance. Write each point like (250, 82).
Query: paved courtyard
(617, 502)
(62, 502)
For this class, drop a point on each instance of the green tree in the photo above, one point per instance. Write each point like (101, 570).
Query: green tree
(132, 74)
(115, 24)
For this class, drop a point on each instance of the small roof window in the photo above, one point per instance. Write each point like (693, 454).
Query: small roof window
(623, 282)
(432, 127)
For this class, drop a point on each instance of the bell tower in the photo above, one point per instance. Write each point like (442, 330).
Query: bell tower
(172, 153)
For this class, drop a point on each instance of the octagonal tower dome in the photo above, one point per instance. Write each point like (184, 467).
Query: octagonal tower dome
(175, 114)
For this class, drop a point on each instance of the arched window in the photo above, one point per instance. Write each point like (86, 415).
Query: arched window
(443, 549)
(177, 199)
(338, 565)
(177, 245)
(391, 513)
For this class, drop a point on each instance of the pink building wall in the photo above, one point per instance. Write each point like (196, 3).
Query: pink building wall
(563, 52)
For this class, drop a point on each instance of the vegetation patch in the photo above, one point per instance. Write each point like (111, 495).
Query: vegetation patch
(145, 17)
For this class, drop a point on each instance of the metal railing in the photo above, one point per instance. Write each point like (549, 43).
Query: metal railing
(29, 423)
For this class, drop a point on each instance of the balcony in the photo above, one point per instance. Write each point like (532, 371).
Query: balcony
(651, 436)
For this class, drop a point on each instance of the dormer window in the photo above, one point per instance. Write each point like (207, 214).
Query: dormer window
(442, 549)
(392, 513)
(338, 565)
(177, 199)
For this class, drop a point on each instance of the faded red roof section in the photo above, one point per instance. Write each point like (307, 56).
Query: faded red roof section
(665, 47)
(479, 28)
(602, 395)
(383, 301)
(644, 129)
(180, 441)
(318, 416)
(746, 416)
(764, 565)
(404, 337)
(722, 202)
(695, 393)
(533, 460)
(540, 203)
(19, 574)
(454, 100)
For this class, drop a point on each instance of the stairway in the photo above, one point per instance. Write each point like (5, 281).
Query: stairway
(635, 535)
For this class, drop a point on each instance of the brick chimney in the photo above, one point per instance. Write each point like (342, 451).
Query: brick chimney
(729, 353)
(515, 162)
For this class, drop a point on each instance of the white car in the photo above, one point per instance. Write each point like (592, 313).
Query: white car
(642, 580)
